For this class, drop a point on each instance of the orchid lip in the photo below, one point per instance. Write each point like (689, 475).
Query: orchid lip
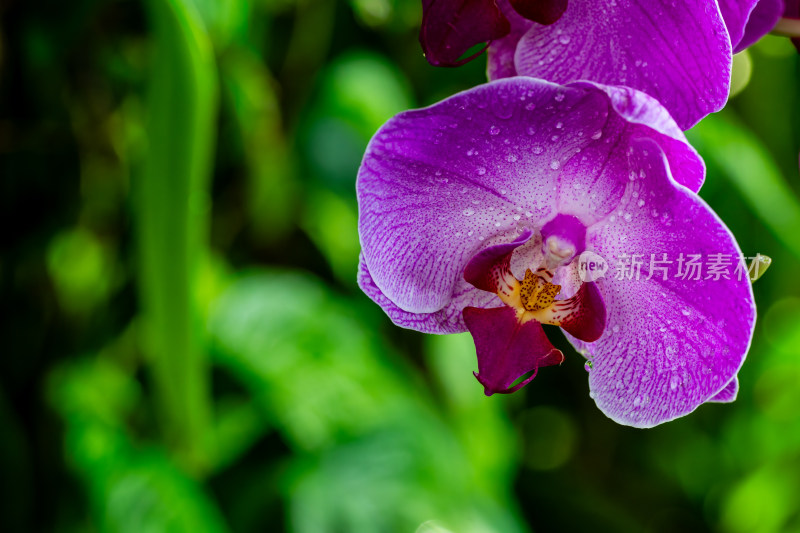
(509, 340)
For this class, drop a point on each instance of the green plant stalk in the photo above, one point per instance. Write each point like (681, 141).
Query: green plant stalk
(171, 212)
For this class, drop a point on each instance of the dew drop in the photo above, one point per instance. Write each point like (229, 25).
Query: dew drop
(481, 171)
(494, 130)
(537, 149)
(673, 383)
(640, 203)
(560, 97)
(468, 212)
(555, 165)
(531, 130)
(564, 39)
(596, 135)
(559, 125)
(511, 158)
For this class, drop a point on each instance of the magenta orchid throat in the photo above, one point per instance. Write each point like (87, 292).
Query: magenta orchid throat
(472, 215)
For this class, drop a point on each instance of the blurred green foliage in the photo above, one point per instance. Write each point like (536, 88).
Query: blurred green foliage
(185, 345)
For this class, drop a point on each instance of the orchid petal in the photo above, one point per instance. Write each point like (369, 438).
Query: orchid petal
(735, 13)
(451, 27)
(728, 394)
(670, 344)
(639, 108)
(490, 269)
(500, 54)
(762, 19)
(679, 53)
(583, 315)
(446, 320)
(507, 349)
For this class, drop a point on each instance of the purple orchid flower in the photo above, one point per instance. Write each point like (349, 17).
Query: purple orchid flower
(680, 53)
(475, 214)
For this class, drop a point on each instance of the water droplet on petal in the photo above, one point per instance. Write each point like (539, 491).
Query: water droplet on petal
(511, 158)
(537, 149)
(494, 130)
(468, 212)
(555, 165)
(481, 171)
(596, 135)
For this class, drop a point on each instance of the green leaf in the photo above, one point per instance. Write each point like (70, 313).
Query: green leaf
(172, 216)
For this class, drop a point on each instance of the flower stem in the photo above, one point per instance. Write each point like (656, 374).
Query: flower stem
(787, 27)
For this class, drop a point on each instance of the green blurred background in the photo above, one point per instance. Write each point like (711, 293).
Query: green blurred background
(184, 344)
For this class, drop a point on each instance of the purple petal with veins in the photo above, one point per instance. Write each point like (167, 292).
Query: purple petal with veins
(736, 13)
(761, 21)
(679, 53)
(728, 394)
